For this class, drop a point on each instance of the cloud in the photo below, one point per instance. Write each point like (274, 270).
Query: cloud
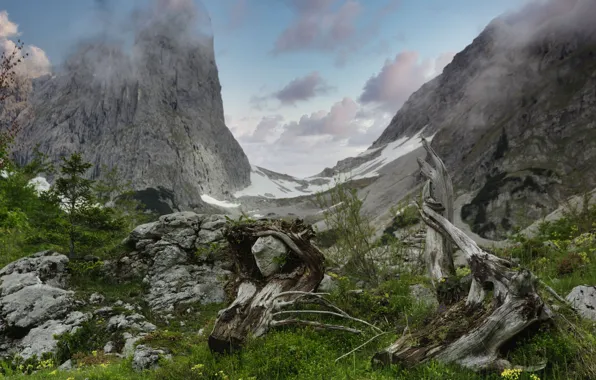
(399, 78)
(335, 123)
(320, 26)
(237, 13)
(8, 29)
(36, 63)
(302, 89)
(267, 129)
(297, 90)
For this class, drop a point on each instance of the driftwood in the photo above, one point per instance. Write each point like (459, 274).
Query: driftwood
(502, 302)
(261, 302)
(438, 251)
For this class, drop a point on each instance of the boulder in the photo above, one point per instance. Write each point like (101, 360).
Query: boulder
(165, 257)
(41, 340)
(268, 252)
(146, 358)
(583, 298)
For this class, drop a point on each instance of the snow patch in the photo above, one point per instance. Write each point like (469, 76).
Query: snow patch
(209, 199)
(261, 185)
(40, 184)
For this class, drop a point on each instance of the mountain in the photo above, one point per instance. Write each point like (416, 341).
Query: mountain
(154, 110)
(513, 116)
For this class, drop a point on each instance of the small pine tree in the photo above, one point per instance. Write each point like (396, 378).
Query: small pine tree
(75, 193)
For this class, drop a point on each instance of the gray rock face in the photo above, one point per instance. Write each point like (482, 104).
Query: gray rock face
(31, 291)
(155, 112)
(147, 358)
(166, 257)
(34, 306)
(514, 116)
(583, 298)
(268, 252)
(41, 339)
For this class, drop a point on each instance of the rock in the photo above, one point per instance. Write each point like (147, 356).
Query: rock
(49, 267)
(268, 252)
(66, 366)
(41, 340)
(32, 291)
(583, 298)
(424, 295)
(96, 298)
(145, 357)
(165, 256)
(135, 322)
(327, 285)
(109, 347)
(129, 342)
(35, 304)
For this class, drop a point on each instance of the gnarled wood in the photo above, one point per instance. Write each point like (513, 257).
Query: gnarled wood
(438, 189)
(470, 332)
(253, 310)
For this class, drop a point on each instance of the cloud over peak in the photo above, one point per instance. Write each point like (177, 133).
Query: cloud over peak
(399, 78)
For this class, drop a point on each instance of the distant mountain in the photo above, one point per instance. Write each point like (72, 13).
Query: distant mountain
(513, 115)
(154, 111)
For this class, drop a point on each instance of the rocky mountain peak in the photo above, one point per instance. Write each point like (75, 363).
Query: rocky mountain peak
(153, 109)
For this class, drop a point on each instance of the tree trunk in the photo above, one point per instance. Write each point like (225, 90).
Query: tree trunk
(438, 250)
(258, 298)
(472, 331)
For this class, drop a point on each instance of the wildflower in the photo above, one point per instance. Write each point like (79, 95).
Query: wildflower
(534, 377)
(53, 372)
(511, 374)
(94, 353)
(197, 367)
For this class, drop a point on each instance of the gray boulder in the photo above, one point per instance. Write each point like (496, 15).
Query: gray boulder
(135, 322)
(41, 340)
(32, 290)
(268, 252)
(327, 285)
(146, 358)
(583, 298)
(166, 257)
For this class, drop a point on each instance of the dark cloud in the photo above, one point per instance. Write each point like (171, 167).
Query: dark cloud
(302, 89)
(298, 90)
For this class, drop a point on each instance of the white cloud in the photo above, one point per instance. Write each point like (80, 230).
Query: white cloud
(36, 63)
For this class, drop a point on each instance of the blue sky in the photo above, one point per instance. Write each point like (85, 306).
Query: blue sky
(305, 82)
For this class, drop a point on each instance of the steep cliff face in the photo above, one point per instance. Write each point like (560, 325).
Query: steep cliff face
(514, 115)
(154, 111)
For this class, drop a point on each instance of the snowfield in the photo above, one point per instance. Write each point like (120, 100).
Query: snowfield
(264, 186)
(209, 199)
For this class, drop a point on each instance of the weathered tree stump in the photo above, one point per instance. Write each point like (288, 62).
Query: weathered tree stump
(438, 251)
(258, 298)
(502, 301)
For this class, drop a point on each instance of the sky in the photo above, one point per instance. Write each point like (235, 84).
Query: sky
(305, 83)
